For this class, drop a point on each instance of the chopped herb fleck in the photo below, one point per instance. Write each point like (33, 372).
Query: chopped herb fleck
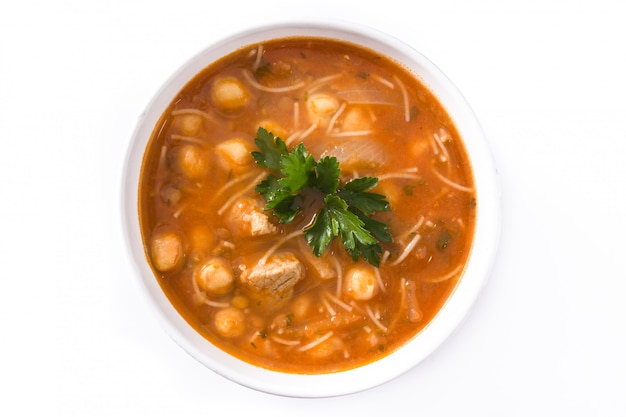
(444, 240)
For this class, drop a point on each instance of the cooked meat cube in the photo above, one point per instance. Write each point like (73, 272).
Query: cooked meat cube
(274, 279)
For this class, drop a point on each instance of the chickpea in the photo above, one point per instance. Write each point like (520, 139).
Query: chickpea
(360, 282)
(171, 194)
(275, 128)
(166, 250)
(191, 161)
(215, 276)
(248, 218)
(321, 108)
(240, 302)
(201, 238)
(230, 94)
(229, 322)
(356, 118)
(236, 153)
(301, 306)
(190, 124)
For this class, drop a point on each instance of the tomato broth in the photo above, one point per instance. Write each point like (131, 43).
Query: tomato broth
(250, 284)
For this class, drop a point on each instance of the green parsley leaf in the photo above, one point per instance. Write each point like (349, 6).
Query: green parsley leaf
(345, 211)
(378, 229)
(355, 195)
(351, 228)
(321, 232)
(328, 175)
(272, 149)
(298, 168)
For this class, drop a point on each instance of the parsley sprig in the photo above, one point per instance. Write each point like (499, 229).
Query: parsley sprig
(346, 208)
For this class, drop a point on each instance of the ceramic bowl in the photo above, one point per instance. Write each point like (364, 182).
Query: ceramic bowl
(454, 310)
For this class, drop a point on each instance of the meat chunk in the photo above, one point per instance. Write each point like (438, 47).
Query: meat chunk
(273, 281)
(248, 218)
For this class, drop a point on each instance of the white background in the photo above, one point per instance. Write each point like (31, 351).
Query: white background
(547, 79)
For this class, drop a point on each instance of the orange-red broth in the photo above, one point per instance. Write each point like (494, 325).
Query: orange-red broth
(338, 99)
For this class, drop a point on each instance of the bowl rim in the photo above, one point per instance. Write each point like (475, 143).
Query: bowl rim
(451, 315)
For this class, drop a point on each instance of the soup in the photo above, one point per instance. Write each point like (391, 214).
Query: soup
(248, 276)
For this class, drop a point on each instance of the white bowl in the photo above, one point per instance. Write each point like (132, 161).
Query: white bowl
(454, 310)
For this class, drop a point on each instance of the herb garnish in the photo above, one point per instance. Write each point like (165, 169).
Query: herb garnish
(346, 208)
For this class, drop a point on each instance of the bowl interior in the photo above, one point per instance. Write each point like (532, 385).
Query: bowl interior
(457, 306)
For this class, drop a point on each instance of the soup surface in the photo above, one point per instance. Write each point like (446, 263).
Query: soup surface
(250, 283)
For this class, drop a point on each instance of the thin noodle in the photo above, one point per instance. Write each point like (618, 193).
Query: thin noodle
(227, 244)
(405, 98)
(412, 244)
(330, 308)
(192, 111)
(199, 294)
(161, 166)
(340, 303)
(399, 175)
(296, 114)
(405, 173)
(356, 306)
(445, 155)
(414, 313)
(351, 133)
(364, 101)
(402, 303)
(372, 115)
(444, 135)
(162, 157)
(433, 144)
(339, 270)
(377, 322)
(320, 82)
(255, 336)
(232, 182)
(257, 60)
(384, 258)
(416, 227)
(316, 342)
(278, 244)
(379, 280)
(190, 139)
(216, 304)
(453, 184)
(295, 135)
(334, 118)
(234, 197)
(446, 277)
(178, 212)
(248, 76)
(286, 342)
(383, 81)
(203, 297)
(308, 131)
